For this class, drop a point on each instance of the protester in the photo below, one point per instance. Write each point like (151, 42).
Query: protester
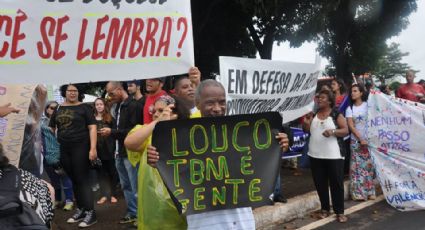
(411, 91)
(126, 114)
(105, 150)
(194, 77)
(133, 88)
(164, 215)
(361, 167)
(184, 90)
(210, 99)
(7, 109)
(32, 192)
(51, 152)
(154, 91)
(422, 83)
(341, 99)
(385, 89)
(327, 163)
(76, 132)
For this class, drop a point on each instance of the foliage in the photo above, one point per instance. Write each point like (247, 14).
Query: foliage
(390, 65)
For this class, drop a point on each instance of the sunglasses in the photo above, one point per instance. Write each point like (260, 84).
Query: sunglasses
(52, 107)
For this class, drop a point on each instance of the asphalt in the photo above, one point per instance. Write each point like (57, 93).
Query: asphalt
(293, 186)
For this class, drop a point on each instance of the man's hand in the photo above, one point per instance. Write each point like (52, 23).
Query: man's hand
(153, 156)
(194, 75)
(92, 154)
(7, 109)
(104, 132)
(283, 141)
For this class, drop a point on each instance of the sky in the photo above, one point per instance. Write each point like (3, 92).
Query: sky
(410, 40)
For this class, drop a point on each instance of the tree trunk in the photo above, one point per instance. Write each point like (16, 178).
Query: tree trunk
(342, 22)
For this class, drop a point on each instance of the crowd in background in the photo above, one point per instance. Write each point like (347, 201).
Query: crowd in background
(110, 136)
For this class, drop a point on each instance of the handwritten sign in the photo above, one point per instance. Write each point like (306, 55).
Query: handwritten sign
(254, 86)
(12, 127)
(398, 149)
(56, 42)
(219, 163)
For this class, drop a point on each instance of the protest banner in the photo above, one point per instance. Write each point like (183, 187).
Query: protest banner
(398, 149)
(221, 162)
(12, 127)
(62, 41)
(254, 86)
(300, 140)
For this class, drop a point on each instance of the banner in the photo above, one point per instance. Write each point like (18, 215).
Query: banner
(300, 140)
(397, 147)
(12, 127)
(62, 41)
(254, 86)
(221, 162)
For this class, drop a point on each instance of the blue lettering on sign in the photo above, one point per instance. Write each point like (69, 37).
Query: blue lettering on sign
(390, 121)
(393, 135)
(405, 197)
(396, 146)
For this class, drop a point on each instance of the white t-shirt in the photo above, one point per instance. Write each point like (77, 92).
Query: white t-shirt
(238, 218)
(320, 146)
(359, 115)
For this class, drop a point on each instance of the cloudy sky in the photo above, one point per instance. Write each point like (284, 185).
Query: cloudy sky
(411, 40)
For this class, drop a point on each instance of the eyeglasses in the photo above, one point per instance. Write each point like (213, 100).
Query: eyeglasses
(111, 93)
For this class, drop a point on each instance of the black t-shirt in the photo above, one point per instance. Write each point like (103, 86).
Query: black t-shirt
(72, 121)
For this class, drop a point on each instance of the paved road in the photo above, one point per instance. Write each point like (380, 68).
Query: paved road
(377, 216)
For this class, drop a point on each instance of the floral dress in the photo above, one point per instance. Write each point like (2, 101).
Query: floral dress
(362, 171)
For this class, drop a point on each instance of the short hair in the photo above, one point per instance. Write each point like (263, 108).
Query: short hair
(63, 89)
(178, 79)
(116, 84)
(204, 84)
(331, 96)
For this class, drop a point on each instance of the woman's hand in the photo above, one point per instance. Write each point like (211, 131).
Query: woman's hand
(167, 114)
(283, 141)
(153, 156)
(92, 154)
(328, 133)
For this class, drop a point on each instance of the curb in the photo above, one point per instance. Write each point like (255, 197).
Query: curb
(267, 217)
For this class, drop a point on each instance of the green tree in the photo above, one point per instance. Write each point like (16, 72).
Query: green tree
(355, 33)
(390, 65)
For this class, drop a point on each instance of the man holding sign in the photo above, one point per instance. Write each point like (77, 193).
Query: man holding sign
(211, 101)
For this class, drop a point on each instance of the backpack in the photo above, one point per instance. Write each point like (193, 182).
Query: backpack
(341, 143)
(15, 214)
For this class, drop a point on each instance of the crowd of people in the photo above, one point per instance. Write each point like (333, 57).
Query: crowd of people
(113, 136)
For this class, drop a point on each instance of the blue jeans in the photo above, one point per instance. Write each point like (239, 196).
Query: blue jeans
(128, 179)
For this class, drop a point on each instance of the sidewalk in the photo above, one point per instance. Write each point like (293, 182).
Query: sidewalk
(303, 199)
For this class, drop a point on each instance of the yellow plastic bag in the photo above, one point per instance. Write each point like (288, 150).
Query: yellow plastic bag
(155, 208)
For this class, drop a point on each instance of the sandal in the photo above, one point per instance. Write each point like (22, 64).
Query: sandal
(102, 200)
(341, 218)
(322, 214)
(113, 200)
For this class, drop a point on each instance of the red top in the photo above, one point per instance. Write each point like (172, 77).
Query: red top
(411, 92)
(148, 109)
(339, 100)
